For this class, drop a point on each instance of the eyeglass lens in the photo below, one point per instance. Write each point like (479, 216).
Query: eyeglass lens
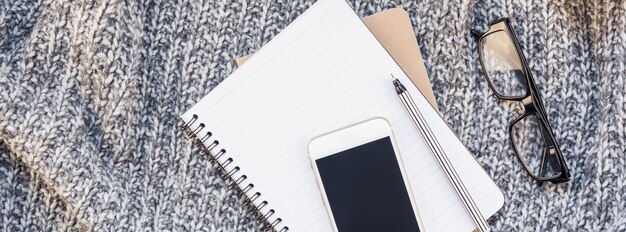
(503, 65)
(534, 147)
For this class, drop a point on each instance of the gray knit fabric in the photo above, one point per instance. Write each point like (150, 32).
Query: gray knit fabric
(91, 92)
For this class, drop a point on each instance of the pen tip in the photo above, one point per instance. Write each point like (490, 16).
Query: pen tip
(399, 87)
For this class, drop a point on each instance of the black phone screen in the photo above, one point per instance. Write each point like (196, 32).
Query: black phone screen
(366, 190)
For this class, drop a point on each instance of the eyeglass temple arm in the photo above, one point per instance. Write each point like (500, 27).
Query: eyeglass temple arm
(546, 152)
(476, 34)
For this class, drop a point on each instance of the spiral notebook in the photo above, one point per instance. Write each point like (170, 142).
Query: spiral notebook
(257, 123)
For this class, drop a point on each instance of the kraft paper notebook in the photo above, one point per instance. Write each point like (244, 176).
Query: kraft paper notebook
(394, 30)
(258, 121)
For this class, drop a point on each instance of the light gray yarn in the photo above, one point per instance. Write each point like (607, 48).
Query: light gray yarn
(91, 92)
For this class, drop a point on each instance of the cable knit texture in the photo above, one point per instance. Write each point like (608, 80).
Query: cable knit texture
(91, 92)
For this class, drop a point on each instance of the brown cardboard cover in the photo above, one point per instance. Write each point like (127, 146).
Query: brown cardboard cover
(394, 30)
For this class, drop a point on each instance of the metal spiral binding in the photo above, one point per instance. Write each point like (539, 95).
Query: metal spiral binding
(230, 176)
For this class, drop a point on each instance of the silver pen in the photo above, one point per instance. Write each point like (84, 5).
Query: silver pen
(442, 159)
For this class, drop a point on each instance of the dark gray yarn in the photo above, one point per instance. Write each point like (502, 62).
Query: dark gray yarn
(91, 92)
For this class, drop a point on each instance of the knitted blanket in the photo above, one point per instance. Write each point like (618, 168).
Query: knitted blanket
(91, 92)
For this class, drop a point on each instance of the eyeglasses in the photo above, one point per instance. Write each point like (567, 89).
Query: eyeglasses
(508, 75)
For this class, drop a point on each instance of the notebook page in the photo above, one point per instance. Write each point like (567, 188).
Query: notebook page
(266, 112)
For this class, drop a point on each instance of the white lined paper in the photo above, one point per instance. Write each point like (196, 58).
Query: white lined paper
(326, 71)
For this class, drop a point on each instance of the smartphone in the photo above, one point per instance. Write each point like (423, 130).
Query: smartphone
(360, 175)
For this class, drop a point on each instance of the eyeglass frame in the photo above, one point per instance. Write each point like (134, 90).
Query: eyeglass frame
(533, 105)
